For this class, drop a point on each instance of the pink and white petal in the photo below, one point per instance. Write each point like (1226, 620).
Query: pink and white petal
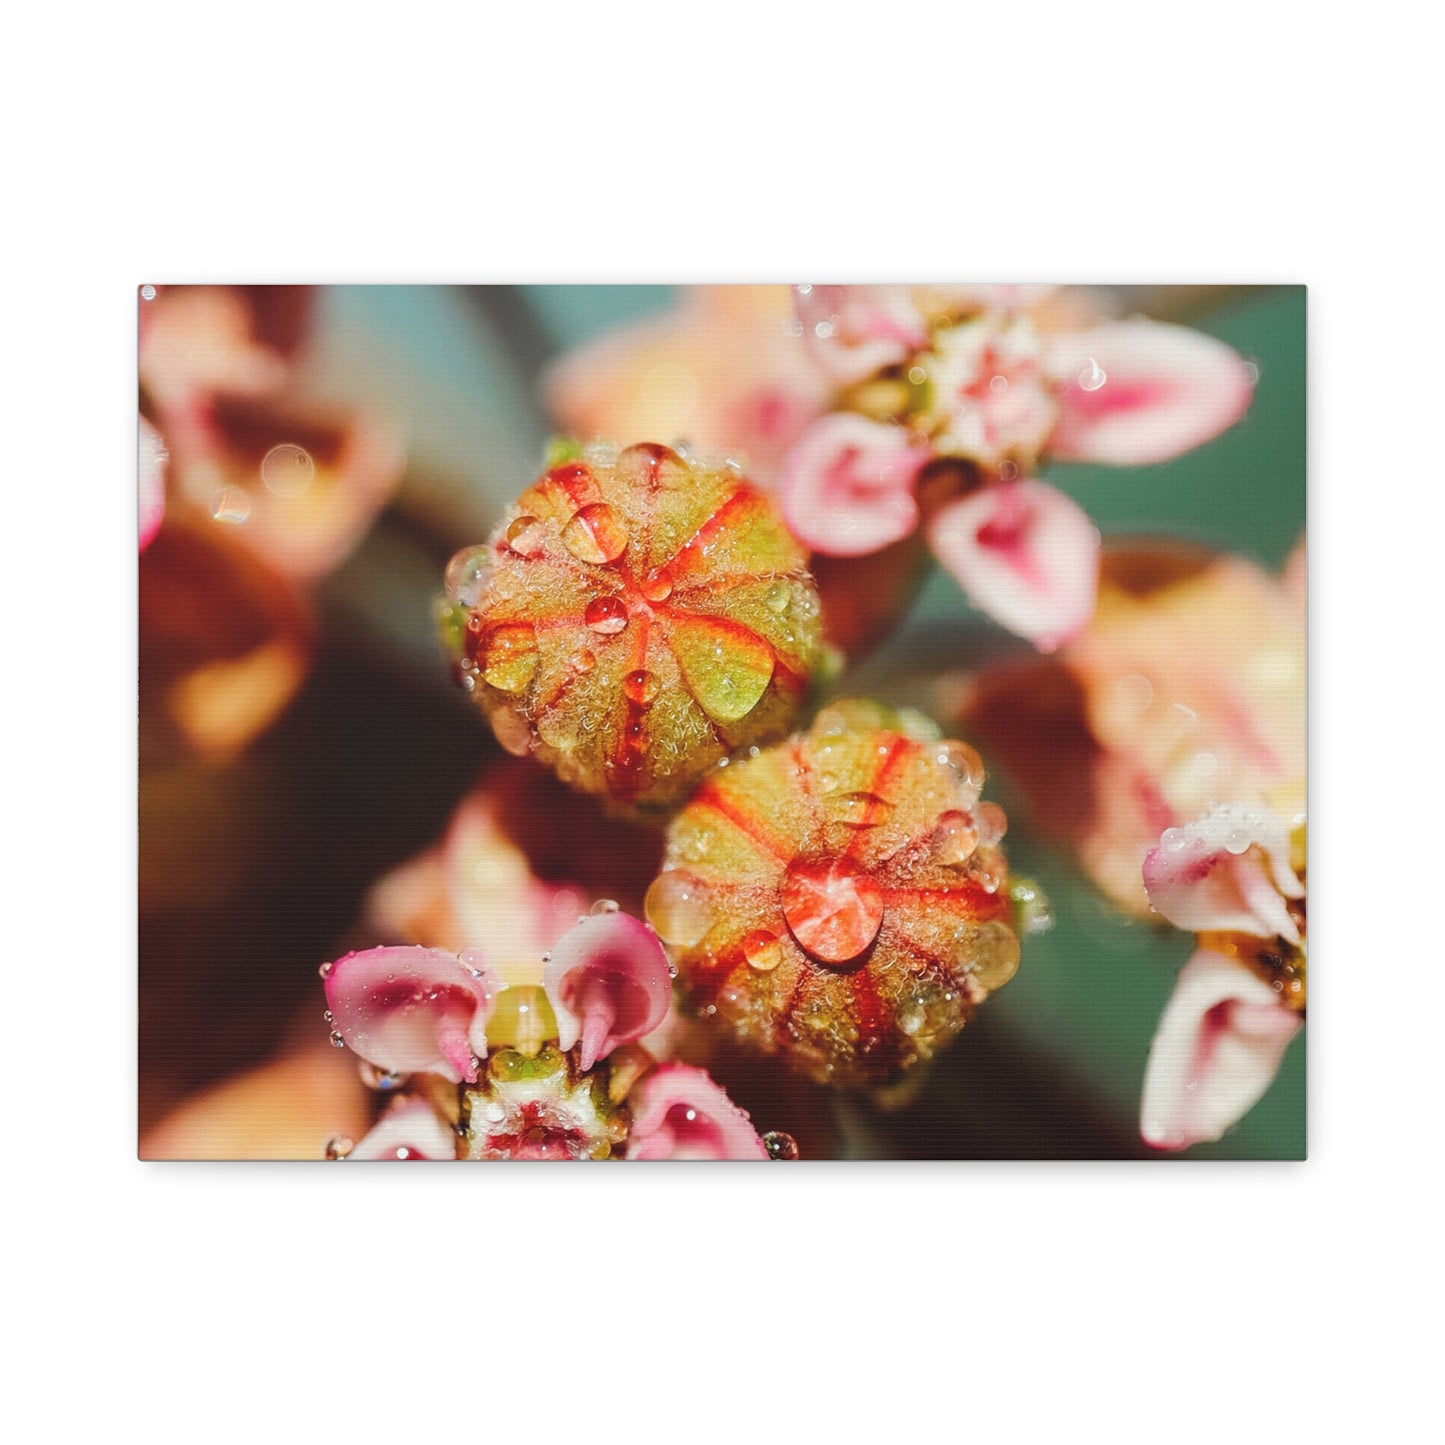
(847, 485)
(414, 1010)
(153, 459)
(1219, 1045)
(411, 1129)
(1228, 871)
(1140, 391)
(608, 983)
(855, 331)
(678, 1112)
(1025, 554)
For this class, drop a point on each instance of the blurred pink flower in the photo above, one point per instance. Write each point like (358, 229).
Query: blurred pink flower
(950, 397)
(1187, 687)
(1231, 877)
(725, 372)
(253, 493)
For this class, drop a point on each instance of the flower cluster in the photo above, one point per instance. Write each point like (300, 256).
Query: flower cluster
(948, 399)
(487, 1068)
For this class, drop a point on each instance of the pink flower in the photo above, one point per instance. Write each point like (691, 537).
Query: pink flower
(563, 1076)
(970, 376)
(1188, 686)
(724, 372)
(1231, 877)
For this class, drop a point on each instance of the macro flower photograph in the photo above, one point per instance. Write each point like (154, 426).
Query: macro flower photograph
(771, 723)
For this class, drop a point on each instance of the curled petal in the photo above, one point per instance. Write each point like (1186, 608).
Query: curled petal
(414, 1010)
(1134, 392)
(153, 459)
(411, 1129)
(679, 1113)
(1025, 554)
(1218, 1046)
(854, 331)
(608, 983)
(847, 486)
(1228, 871)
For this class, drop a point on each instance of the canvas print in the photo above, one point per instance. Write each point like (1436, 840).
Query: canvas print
(768, 722)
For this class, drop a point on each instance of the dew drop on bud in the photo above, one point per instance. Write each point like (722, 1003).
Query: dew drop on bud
(679, 908)
(606, 905)
(338, 1041)
(656, 586)
(763, 950)
(526, 536)
(780, 1146)
(954, 839)
(606, 615)
(968, 767)
(778, 596)
(382, 1080)
(596, 534)
(466, 576)
(328, 1017)
(641, 687)
(324, 970)
(338, 1146)
(992, 823)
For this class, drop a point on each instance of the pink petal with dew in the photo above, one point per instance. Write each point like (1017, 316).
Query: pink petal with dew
(608, 983)
(411, 1129)
(847, 486)
(153, 459)
(1218, 1046)
(854, 331)
(679, 1113)
(1134, 392)
(1228, 871)
(414, 1010)
(1025, 554)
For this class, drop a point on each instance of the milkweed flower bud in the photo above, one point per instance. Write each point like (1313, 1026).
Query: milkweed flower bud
(635, 617)
(841, 898)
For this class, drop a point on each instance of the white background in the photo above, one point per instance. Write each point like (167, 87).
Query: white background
(748, 142)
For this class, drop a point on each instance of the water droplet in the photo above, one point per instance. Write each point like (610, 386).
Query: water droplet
(232, 505)
(324, 970)
(1092, 377)
(857, 809)
(606, 905)
(607, 615)
(1134, 693)
(998, 383)
(596, 534)
(1008, 471)
(467, 575)
(508, 658)
(583, 661)
(338, 1146)
(148, 292)
(641, 687)
(287, 470)
(526, 536)
(917, 375)
(833, 908)
(992, 823)
(328, 1017)
(763, 950)
(823, 330)
(779, 595)
(779, 1145)
(679, 907)
(967, 767)
(513, 731)
(657, 585)
(987, 951)
(954, 839)
(337, 1039)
